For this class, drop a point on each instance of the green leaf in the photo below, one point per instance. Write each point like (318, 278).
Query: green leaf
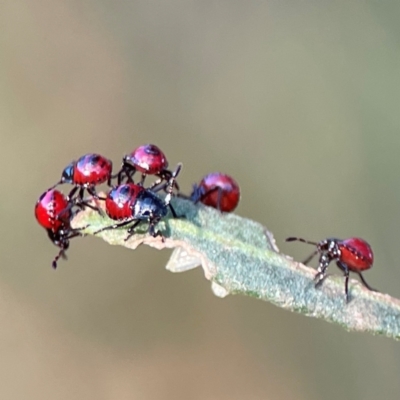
(239, 256)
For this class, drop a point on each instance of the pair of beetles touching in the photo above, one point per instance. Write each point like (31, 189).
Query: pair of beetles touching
(130, 203)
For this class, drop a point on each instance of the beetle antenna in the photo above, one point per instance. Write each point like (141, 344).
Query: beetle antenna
(55, 185)
(61, 254)
(293, 239)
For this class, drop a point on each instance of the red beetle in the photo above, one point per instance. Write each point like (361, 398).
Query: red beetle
(129, 203)
(147, 159)
(53, 212)
(119, 200)
(85, 173)
(351, 255)
(217, 190)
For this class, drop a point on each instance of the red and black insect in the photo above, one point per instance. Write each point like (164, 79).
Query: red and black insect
(129, 203)
(217, 190)
(53, 212)
(148, 160)
(351, 255)
(87, 172)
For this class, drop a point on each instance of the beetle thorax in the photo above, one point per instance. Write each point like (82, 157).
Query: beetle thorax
(149, 206)
(330, 247)
(68, 173)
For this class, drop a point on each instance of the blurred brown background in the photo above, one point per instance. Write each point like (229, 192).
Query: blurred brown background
(297, 100)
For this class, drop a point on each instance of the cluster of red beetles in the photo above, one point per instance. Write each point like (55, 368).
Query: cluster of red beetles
(127, 202)
(132, 203)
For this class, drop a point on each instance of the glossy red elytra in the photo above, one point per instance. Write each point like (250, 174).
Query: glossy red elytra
(147, 159)
(85, 173)
(121, 199)
(129, 203)
(351, 255)
(217, 190)
(54, 211)
(49, 207)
